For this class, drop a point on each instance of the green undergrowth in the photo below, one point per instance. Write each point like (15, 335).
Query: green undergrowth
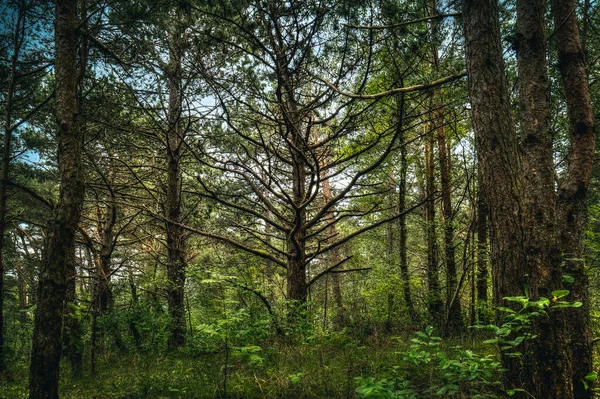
(329, 368)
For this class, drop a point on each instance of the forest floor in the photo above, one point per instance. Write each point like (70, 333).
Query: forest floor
(324, 369)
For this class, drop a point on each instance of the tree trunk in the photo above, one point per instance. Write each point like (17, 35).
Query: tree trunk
(434, 299)
(72, 326)
(455, 320)
(482, 254)
(60, 236)
(543, 260)
(334, 254)
(176, 236)
(572, 193)
(6, 154)
(498, 154)
(107, 217)
(402, 239)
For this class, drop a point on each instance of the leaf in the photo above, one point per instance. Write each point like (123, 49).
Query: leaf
(565, 304)
(560, 293)
(568, 279)
(593, 376)
(504, 309)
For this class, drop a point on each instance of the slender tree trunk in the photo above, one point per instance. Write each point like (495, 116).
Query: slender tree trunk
(21, 282)
(72, 327)
(482, 254)
(176, 236)
(402, 239)
(434, 299)
(572, 193)
(60, 236)
(455, 319)
(107, 218)
(333, 255)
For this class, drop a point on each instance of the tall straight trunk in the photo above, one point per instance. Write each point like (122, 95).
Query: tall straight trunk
(572, 193)
(60, 234)
(176, 236)
(72, 326)
(434, 299)
(482, 254)
(543, 258)
(6, 153)
(21, 282)
(498, 154)
(455, 322)
(297, 288)
(107, 218)
(334, 254)
(436, 121)
(402, 239)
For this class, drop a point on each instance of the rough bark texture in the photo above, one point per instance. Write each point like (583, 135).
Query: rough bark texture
(60, 235)
(572, 193)
(6, 153)
(176, 236)
(497, 151)
(549, 364)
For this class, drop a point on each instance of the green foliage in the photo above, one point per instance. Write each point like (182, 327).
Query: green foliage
(447, 371)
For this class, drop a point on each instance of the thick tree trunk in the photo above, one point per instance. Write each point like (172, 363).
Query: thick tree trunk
(498, 154)
(60, 236)
(572, 193)
(543, 258)
(6, 154)
(176, 236)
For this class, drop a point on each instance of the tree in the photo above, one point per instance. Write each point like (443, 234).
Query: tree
(573, 190)
(60, 235)
(532, 221)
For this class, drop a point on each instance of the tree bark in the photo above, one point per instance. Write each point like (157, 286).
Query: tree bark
(60, 236)
(572, 193)
(6, 154)
(498, 155)
(176, 236)
(455, 320)
(543, 258)
(434, 300)
(482, 254)
(402, 239)
(72, 326)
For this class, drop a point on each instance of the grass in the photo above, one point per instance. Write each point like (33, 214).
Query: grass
(325, 368)
(280, 370)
